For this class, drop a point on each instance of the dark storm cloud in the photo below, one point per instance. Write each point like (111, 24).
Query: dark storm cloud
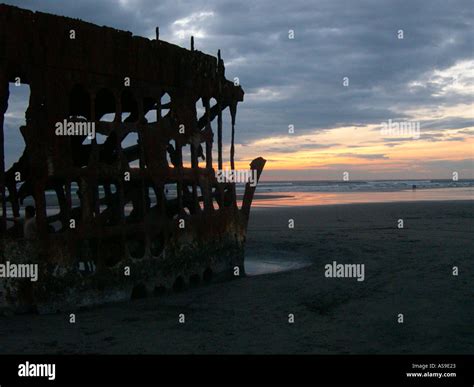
(299, 81)
(448, 123)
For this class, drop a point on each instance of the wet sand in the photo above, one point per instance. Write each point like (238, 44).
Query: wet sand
(407, 271)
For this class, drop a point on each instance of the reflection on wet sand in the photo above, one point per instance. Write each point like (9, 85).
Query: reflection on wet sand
(327, 198)
(266, 265)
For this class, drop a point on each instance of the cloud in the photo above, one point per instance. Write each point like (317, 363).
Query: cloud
(298, 147)
(365, 156)
(464, 165)
(192, 25)
(448, 123)
(299, 81)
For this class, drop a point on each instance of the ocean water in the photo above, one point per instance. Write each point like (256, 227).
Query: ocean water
(360, 185)
(310, 193)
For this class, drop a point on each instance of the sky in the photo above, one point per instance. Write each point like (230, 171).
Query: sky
(381, 89)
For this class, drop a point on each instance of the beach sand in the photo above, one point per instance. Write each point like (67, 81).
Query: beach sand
(407, 271)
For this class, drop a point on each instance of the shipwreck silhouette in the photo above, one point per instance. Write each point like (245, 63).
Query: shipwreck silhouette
(133, 219)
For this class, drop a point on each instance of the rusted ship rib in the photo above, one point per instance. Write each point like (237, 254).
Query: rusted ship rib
(118, 232)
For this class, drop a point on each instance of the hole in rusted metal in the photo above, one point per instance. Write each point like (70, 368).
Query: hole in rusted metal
(111, 251)
(179, 284)
(150, 110)
(79, 102)
(129, 107)
(105, 108)
(157, 245)
(165, 104)
(136, 247)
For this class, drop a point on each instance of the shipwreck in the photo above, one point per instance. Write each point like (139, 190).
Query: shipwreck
(130, 219)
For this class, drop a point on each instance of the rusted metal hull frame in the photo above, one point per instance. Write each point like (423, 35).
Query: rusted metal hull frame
(3, 108)
(106, 189)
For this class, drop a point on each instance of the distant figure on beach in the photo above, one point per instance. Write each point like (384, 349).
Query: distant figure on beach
(413, 187)
(29, 227)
